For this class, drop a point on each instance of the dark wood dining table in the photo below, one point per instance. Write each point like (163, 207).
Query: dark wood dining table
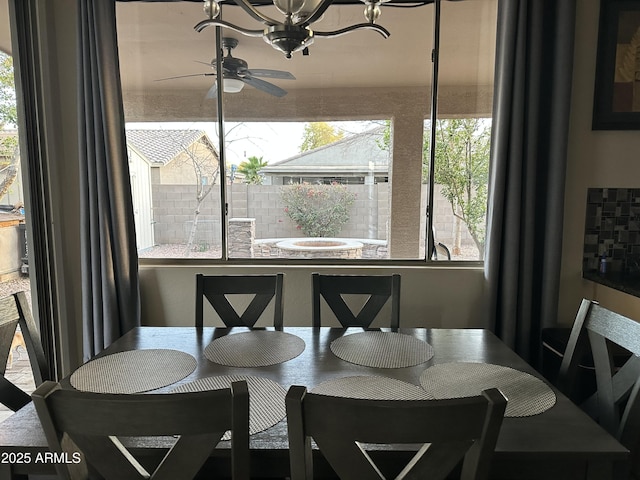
(560, 443)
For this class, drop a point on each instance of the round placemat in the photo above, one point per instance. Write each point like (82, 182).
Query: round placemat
(266, 398)
(254, 349)
(371, 388)
(527, 394)
(382, 349)
(133, 371)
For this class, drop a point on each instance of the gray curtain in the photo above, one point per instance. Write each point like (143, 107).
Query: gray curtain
(534, 58)
(110, 296)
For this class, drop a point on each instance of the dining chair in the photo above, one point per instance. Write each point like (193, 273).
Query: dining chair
(216, 288)
(616, 403)
(450, 430)
(377, 290)
(15, 311)
(87, 430)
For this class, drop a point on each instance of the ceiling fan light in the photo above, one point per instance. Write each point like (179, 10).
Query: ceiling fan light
(232, 85)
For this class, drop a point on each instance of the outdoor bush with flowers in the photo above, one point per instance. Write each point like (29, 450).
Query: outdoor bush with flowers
(318, 210)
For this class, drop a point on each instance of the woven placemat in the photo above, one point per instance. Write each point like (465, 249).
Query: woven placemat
(382, 349)
(371, 388)
(254, 349)
(133, 371)
(266, 398)
(527, 394)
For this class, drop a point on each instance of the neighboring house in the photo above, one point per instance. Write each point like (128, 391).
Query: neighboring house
(166, 157)
(354, 160)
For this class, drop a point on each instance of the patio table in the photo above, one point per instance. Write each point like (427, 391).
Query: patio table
(562, 442)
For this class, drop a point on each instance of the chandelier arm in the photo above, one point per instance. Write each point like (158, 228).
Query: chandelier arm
(221, 23)
(316, 14)
(360, 26)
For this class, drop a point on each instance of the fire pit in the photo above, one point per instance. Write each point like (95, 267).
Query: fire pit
(320, 248)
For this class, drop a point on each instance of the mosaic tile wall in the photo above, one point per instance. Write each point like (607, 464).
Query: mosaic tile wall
(613, 227)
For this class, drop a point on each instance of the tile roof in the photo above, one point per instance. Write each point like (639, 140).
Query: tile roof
(162, 146)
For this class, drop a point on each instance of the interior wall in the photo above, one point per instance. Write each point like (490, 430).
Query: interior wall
(595, 159)
(430, 297)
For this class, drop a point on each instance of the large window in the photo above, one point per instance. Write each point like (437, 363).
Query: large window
(336, 167)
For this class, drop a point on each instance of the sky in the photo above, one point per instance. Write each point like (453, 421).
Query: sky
(274, 141)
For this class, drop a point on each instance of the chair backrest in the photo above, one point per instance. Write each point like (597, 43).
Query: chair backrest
(615, 405)
(15, 311)
(92, 421)
(215, 289)
(456, 429)
(378, 288)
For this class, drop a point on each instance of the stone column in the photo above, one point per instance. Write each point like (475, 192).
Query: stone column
(242, 233)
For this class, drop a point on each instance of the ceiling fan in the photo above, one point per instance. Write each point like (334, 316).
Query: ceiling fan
(236, 74)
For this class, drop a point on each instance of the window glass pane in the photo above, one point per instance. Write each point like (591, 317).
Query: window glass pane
(463, 128)
(341, 123)
(294, 182)
(342, 148)
(175, 187)
(172, 139)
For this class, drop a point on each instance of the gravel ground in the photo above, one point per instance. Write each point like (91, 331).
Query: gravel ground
(177, 251)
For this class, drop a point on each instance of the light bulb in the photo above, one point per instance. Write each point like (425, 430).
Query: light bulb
(288, 7)
(371, 11)
(211, 8)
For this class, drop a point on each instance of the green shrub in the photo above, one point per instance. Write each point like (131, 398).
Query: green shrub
(318, 210)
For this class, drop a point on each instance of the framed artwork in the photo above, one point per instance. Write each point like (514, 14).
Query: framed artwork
(616, 103)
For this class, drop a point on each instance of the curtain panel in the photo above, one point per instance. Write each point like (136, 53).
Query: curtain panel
(534, 59)
(110, 296)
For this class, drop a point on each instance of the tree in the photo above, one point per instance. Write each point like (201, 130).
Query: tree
(8, 110)
(204, 160)
(9, 153)
(462, 168)
(317, 134)
(251, 170)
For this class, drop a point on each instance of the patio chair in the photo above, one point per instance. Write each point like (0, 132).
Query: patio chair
(377, 289)
(616, 403)
(216, 288)
(456, 429)
(14, 312)
(440, 250)
(84, 426)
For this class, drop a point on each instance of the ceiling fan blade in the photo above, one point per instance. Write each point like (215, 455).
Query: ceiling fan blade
(213, 91)
(185, 76)
(266, 87)
(266, 73)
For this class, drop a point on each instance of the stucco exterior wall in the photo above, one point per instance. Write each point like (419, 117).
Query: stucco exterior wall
(181, 170)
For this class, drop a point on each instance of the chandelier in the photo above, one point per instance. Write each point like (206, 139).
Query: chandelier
(294, 33)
